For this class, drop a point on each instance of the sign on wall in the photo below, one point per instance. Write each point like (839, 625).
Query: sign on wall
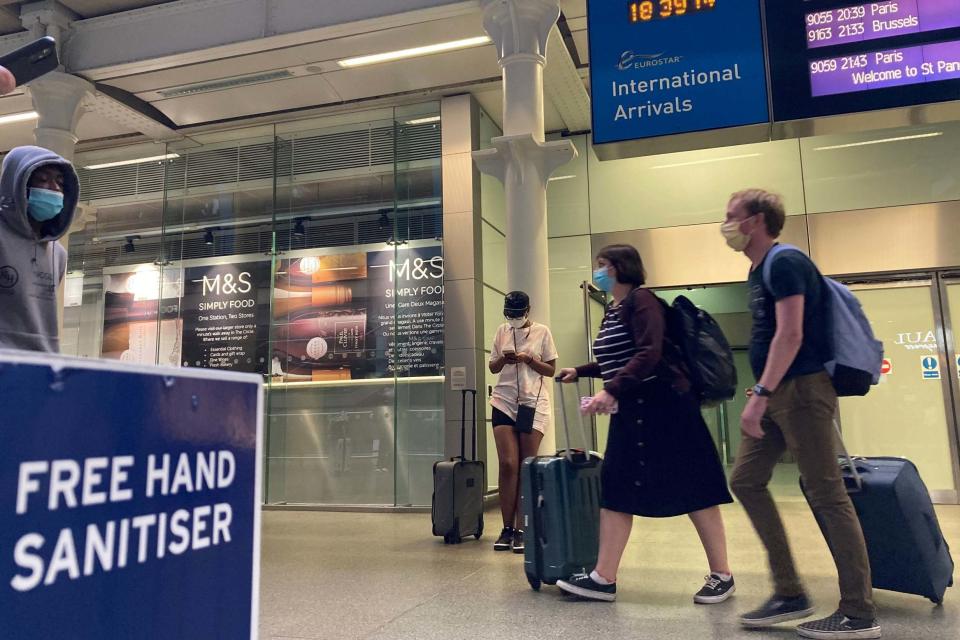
(130, 501)
(836, 57)
(675, 66)
(226, 316)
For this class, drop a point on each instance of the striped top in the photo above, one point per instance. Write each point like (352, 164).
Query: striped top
(614, 346)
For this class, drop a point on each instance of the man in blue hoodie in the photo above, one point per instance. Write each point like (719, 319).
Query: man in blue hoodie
(39, 191)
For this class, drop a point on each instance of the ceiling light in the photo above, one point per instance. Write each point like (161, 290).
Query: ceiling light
(384, 221)
(707, 161)
(429, 120)
(415, 52)
(881, 141)
(208, 238)
(558, 178)
(130, 247)
(19, 117)
(123, 163)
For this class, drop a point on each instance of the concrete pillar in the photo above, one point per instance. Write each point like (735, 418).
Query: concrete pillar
(520, 158)
(463, 264)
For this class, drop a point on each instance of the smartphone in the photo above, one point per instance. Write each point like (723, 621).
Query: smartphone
(31, 61)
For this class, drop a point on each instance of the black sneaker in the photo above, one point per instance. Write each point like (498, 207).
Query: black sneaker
(505, 540)
(840, 627)
(583, 585)
(517, 545)
(715, 590)
(776, 610)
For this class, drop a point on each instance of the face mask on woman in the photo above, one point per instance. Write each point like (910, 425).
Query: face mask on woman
(517, 323)
(603, 279)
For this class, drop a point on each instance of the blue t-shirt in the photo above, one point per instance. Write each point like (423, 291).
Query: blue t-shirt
(792, 274)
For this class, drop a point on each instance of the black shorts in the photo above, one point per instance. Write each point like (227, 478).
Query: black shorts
(500, 419)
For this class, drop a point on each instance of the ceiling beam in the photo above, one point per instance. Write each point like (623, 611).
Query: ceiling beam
(564, 87)
(191, 31)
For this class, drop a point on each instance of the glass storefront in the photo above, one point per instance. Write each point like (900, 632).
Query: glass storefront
(310, 253)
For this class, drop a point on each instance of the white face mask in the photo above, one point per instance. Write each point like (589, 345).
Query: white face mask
(517, 323)
(736, 239)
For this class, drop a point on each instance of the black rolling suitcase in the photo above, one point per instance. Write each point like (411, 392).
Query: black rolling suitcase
(458, 487)
(907, 550)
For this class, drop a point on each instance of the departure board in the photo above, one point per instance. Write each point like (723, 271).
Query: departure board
(875, 20)
(838, 57)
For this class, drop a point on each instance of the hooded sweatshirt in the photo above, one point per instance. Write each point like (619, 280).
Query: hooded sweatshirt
(32, 263)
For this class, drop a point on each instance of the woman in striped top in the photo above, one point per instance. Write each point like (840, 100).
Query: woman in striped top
(660, 459)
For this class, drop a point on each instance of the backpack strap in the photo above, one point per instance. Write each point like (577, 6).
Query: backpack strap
(776, 250)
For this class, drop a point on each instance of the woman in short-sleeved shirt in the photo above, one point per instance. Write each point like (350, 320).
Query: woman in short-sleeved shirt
(524, 356)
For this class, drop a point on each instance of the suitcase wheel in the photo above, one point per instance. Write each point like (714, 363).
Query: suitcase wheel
(534, 583)
(937, 601)
(479, 533)
(452, 539)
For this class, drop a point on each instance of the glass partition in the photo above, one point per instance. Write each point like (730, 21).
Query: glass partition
(308, 253)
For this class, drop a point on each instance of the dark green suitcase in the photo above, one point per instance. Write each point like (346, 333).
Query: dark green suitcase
(560, 498)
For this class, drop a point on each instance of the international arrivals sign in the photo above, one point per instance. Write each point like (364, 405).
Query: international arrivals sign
(666, 68)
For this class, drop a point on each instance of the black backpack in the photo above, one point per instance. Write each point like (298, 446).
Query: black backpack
(704, 350)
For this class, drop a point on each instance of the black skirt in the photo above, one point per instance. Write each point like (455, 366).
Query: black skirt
(661, 460)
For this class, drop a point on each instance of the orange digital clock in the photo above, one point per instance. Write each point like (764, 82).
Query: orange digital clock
(649, 10)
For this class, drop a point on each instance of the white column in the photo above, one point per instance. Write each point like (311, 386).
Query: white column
(520, 158)
(58, 97)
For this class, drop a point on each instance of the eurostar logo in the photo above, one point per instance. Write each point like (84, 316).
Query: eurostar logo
(633, 60)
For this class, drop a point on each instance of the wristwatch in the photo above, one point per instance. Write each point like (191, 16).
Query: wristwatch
(762, 391)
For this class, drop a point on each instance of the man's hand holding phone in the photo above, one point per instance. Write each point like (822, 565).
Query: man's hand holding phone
(28, 63)
(510, 356)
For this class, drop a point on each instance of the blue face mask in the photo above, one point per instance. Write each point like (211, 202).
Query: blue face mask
(44, 204)
(602, 278)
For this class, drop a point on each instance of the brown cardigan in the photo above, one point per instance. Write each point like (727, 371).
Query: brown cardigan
(644, 316)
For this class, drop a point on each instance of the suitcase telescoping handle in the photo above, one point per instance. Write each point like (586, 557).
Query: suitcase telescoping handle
(566, 423)
(463, 423)
(857, 479)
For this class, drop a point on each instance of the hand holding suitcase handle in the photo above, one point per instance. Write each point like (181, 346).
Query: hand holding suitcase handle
(851, 462)
(569, 451)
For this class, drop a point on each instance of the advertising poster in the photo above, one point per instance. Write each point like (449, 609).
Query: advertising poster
(226, 316)
(134, 302)
(343, 316)
(407, 310)
(320, 318)
(359, 315)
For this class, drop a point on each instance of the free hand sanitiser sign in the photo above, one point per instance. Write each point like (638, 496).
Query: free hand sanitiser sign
(129, 501)
(665, 67)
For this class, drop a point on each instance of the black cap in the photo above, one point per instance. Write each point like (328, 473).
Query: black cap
(516, 304)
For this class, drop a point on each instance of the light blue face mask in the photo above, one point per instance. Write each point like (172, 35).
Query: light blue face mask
(44, 204)
(602, 278)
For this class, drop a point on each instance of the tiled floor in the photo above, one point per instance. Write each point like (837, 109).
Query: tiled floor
(337, 576)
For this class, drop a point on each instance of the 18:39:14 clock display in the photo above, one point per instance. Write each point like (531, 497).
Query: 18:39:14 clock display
(650, 10)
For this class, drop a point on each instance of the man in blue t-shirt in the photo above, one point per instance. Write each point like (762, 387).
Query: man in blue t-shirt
(792, 408)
